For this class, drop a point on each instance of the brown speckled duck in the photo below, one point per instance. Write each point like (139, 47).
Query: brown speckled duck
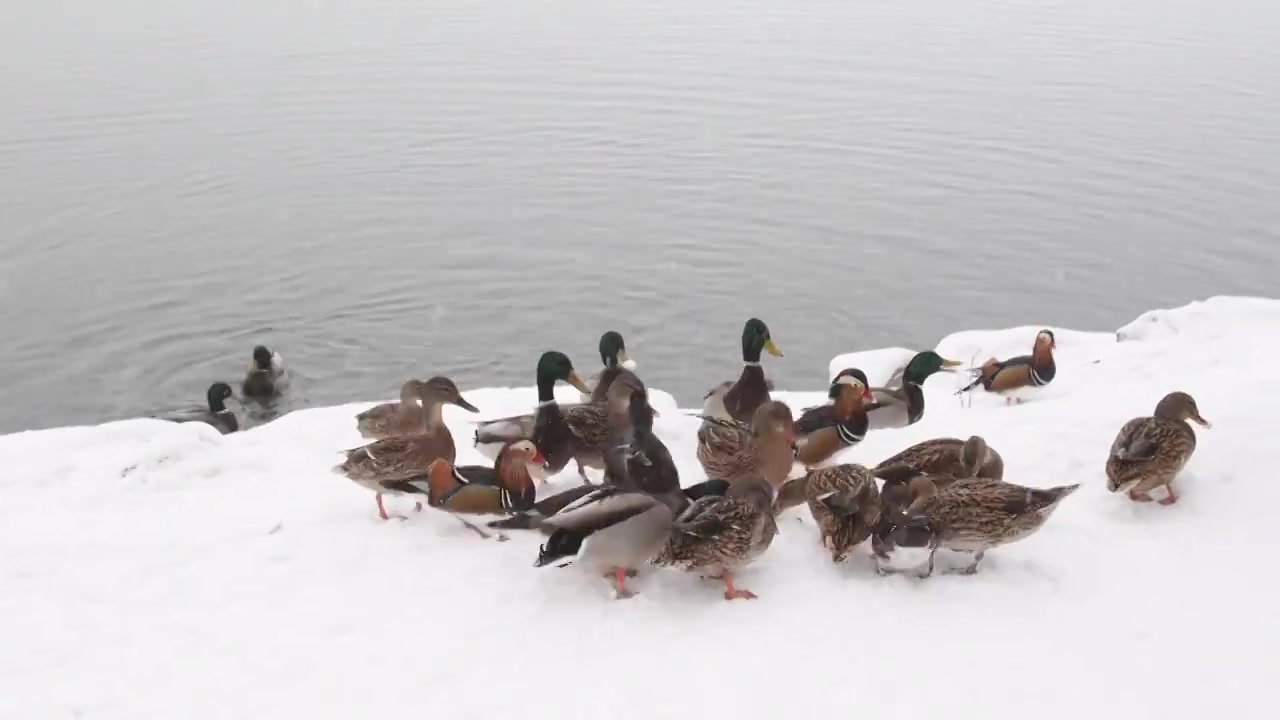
(845, 503)
(717, 535)
(733, 450)
(970, 516)
(739, 400)
(405, 457)
(945, 458)
(1148, 452)
(1034, 370)
(407, 416)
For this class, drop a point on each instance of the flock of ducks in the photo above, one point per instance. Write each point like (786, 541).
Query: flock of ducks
(943, 493)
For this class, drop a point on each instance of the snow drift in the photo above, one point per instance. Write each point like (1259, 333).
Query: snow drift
(154, 570)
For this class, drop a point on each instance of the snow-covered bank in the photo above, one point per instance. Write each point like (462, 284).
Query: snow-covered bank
(153, 570)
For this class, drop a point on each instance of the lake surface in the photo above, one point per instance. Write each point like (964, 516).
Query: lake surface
(397, 188)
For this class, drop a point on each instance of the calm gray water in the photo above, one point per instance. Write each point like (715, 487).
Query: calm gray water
(394, 188)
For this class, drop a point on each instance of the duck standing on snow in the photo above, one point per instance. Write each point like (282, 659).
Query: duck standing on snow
(620, 526)
(844, 422)
(733, 450)
(1034, 370)
(970, 516)
(716, 535)
(266, 374)
(945, 458)
(738, 400)
(507, 487)
(405, 417)
(405, 457)
(845, 503)
(216, 412)
(1149, 451)
(903, 406)
(578, 432)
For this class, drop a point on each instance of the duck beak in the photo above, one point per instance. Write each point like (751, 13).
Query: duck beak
(867, 395)
(771, 348)
(949, 365)
(1201, 421)
(576, 381)
(462, 403)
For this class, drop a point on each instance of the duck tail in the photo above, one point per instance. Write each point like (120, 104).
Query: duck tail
(562, 544)
(1050, 497)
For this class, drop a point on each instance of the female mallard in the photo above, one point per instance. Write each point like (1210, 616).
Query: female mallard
(903, 406)
(845, 503)
(404, 457)
(738, 400)
(733, 450)
(215, 412)
(1149, 451)
(972, 516)
(506, 488)
(945, 458)
(407, 416)
(266, 374)
(846, 421)
(716, 536)
(1034, 370)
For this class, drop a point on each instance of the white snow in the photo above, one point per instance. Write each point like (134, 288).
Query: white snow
(153, 570)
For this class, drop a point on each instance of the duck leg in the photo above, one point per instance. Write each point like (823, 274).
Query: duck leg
(620, 576)
(732, 593)
(480, 531)
(382, 511)
(1139, 497)
(1171, 499)
(972, 567)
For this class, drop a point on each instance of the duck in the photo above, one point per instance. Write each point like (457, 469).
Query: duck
(1149, 452)
(904, 405)
(578, 432)
(971, 517)
(621, 525)
(844, 501)
(733, 450)
(1025, 371)
(738, 400)
(846, 421)
(944, 458)
(827, 415)
(507, 487)
(617, 366)
(266, 374)
(216, 413)
(406, 416)
(405, 457)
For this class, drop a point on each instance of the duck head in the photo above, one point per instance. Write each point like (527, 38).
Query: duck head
(439, 390)
(555, 366)
(756, 339)
(925, 364)
(974, 453)
(1180, 406)
(217, 396)
(613, 350)
(261, 359)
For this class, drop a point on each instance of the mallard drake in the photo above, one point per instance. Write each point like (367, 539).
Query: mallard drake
(614, 531)
(577, 432)
(507, 487)
(970, 516)
(904, 405)
(845, 503)
(847, 421)
(405, 457)
(215, 412)
(1034, 370)
(739, 400)
(733, 450)
(944, 458)
(266, 374)
(1149, 451)
(408, 415)
(617, 366)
